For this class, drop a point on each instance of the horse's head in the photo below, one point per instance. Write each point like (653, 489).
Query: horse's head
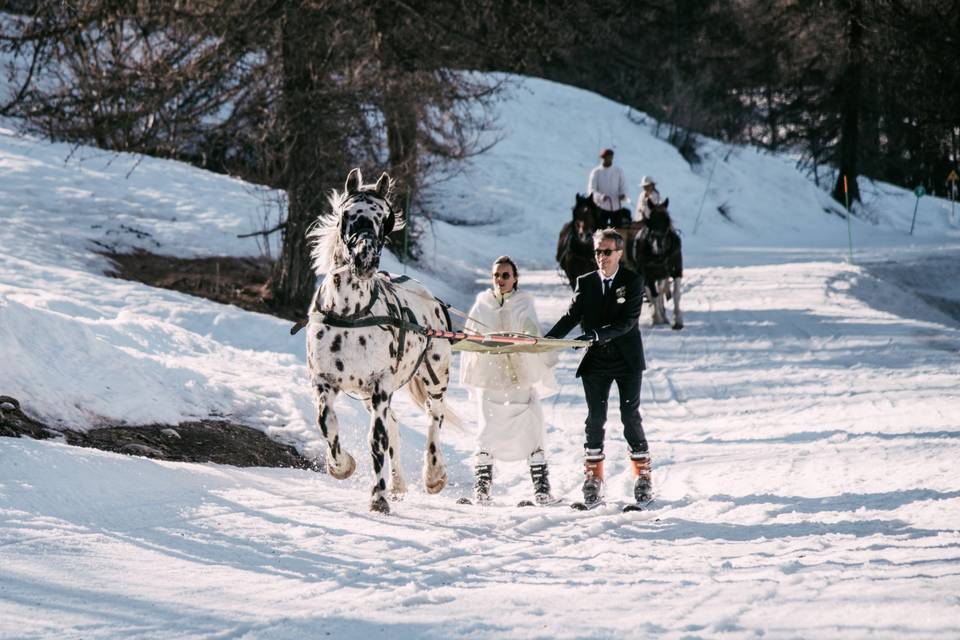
(353, 233)
(584, 215)
(659, 220)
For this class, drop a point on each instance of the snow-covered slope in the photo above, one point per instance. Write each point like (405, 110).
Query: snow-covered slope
(804, 425)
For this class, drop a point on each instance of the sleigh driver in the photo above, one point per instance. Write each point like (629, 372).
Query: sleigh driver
(608, 188)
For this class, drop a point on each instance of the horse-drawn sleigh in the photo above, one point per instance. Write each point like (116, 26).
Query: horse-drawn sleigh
(652, 247)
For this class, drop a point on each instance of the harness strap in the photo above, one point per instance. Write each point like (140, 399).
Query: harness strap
(334, 317)
(399, 316)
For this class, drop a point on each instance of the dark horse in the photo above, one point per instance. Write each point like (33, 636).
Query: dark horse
(575, 245)
(658, 257)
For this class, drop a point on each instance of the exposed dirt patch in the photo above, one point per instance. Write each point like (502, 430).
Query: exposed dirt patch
(237, 281)
(202, 441)
(229, 280)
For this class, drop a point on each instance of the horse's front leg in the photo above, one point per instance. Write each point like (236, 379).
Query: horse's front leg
(434, 468)
(340, 464)
(379, 407)
(398, 485)
(677, 318)
(659, 312)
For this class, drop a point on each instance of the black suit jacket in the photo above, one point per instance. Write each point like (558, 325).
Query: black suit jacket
(615, 322)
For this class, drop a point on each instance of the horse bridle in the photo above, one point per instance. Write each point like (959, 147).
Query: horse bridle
(386, 228)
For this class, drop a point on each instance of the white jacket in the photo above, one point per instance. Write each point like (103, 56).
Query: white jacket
(508, 370)
(643, 203)
(607, 181)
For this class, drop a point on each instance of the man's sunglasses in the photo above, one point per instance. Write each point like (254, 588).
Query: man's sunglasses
(506, 275)
(604, 252)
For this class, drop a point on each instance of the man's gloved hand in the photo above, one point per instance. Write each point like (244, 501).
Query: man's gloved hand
(586, 339)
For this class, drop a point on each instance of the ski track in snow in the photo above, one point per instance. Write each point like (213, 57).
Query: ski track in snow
(798, 497)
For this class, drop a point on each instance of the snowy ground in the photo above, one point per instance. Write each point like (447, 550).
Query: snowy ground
(805, 425)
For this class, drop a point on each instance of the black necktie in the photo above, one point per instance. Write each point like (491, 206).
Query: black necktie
(606, 286)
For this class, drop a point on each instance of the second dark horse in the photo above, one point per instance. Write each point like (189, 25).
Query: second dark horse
(575, 245)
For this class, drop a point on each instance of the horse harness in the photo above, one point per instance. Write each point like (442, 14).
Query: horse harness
(398, 316)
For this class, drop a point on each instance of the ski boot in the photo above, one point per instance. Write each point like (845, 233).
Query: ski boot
(592, 482)
(643, 483)
(484, 478)
(541, 484)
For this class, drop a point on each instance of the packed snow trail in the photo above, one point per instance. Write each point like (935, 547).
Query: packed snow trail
(804, 446)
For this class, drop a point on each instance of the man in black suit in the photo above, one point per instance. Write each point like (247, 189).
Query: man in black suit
(606, 303)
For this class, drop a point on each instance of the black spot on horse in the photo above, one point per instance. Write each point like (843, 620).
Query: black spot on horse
(391, 350)
(363, 341)
(323, 421)
(336, 280)
(435, 357)
(436, 311)
(337, 343)
(319, 334)
(339, 365)
(433, 449)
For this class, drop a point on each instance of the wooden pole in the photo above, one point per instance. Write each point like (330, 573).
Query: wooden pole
(846, 196)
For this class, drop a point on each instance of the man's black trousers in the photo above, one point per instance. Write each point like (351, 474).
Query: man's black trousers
(596, 388)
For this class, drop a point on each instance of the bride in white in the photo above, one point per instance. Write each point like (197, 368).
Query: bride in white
(509, 385)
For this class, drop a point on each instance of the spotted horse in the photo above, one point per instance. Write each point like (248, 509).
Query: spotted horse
(365, 338)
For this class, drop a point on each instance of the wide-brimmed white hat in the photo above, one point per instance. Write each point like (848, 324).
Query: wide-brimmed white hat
(647, 180)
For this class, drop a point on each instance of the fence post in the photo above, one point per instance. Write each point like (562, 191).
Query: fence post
(705, 189)
(846, 197)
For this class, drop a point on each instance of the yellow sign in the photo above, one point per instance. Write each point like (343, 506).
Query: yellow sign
(953, 177)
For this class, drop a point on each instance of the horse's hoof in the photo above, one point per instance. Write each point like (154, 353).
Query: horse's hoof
(437, 484)
(397, 491)
(348, 467)
(677, 326)
(380, 505)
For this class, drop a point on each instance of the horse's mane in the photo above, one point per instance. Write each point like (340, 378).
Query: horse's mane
(324, 232)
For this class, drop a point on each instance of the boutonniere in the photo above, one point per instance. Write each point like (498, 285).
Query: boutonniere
(621, 295)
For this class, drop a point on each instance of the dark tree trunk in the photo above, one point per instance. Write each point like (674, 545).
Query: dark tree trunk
(851, 91)
(314, 157)
(401, 125)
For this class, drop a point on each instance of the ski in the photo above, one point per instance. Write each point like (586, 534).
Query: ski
(637, 506)
(582, 506)
(530, 503)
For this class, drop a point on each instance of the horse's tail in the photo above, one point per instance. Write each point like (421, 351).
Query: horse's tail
(418, 391)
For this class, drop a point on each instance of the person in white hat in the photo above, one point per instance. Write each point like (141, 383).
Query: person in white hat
(606, 184)
(649, 195)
